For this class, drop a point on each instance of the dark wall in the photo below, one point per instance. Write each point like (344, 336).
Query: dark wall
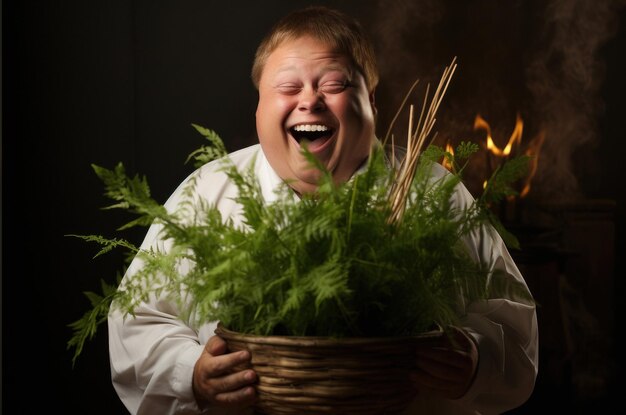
(121, 81)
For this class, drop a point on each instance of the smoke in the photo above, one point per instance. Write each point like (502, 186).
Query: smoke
(541, 57)
(405, 36)
(564, 79)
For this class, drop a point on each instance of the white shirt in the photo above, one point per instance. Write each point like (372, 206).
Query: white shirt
(153, 354)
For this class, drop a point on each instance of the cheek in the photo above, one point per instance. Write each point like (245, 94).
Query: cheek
(359, 121)
(271, 114)
(356, 113)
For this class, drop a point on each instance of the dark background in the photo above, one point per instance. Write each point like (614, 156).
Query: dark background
(121, 81)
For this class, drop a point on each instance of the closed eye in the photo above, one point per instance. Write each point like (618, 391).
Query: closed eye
(333, 87)
(288, 89)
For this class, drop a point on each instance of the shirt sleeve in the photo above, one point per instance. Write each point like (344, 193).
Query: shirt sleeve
(153, 352)
(152, 359)
(153, 355)
(505, 330)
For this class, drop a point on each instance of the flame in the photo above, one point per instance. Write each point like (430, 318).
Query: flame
(445, 162)
(515, 139)
(533, 151)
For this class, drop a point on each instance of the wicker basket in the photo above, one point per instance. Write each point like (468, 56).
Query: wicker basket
(320, 375)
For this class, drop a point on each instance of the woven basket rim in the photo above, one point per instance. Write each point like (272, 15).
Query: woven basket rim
(321, 341)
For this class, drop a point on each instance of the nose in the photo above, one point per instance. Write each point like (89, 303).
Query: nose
(311, 100)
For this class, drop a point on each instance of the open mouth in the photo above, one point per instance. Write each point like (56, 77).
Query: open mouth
(314, 135)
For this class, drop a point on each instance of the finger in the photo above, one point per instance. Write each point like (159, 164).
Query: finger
(440, 369)
(232, 382)
(460, 338)
(240, 397)
(424, 381)
(225, 363)
(453, 337)
(216, 346)
(226, 388)
(437, 393)
(457, 358)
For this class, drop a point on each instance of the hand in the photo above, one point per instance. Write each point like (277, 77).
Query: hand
(215, 379)
(447, 369)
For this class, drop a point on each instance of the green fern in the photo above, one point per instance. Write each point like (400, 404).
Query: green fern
(329, 265)
(86, 327)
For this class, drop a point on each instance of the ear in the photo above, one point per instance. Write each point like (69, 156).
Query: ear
(373, 102)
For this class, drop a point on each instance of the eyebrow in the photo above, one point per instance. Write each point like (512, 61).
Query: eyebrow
(328, 68)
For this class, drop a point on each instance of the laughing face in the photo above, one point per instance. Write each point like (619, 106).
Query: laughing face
(309, 93)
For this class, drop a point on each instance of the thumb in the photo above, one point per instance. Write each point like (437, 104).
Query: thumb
(216, 346)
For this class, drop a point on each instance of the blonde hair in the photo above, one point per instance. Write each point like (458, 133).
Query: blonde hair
(338, 30)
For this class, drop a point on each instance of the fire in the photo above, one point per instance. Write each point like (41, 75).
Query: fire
(445, 162)
(516, 136)
(533, 151)
(512, 148)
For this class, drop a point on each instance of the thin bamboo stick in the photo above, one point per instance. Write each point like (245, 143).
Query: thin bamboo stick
(415, 142)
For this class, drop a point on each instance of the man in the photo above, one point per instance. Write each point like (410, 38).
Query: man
(316, 76)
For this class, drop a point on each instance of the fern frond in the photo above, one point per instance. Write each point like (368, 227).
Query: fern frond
(108, 244)
(216, 150)
(85, 328)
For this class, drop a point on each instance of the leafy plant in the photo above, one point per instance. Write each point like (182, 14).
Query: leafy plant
(330, 264)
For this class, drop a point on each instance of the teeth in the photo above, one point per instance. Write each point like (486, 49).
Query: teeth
(310, 127)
